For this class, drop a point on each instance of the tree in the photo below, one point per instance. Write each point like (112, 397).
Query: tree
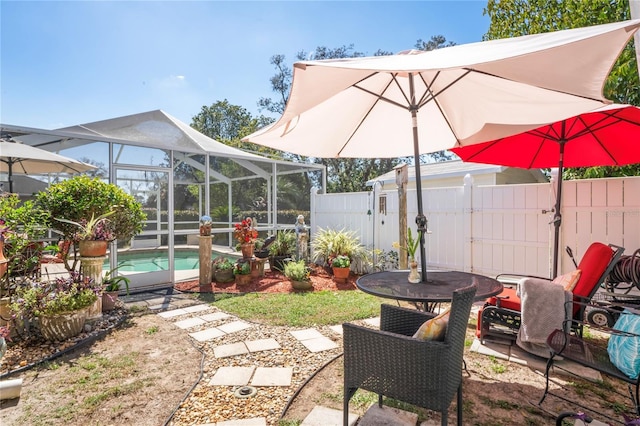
(512, 18)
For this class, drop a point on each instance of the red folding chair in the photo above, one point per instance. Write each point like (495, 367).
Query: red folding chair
(500, 316)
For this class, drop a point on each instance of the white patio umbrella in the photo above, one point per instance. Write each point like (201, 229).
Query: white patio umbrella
(25, 159)
(419, 102)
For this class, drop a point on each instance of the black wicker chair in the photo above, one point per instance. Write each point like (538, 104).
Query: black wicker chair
(391, 363)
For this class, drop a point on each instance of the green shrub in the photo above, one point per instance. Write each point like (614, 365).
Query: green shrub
(81, 197)
(297, 271)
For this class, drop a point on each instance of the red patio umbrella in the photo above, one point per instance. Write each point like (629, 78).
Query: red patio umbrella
(608, 136)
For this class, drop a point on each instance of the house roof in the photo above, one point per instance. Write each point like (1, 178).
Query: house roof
(448, 169)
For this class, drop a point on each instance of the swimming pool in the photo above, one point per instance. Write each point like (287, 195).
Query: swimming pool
(154, 260)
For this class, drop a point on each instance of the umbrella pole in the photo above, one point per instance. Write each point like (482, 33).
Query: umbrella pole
(421, 219)
(557, 216)
(10, 164)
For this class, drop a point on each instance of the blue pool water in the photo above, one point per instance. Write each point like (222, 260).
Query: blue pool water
(152, 261)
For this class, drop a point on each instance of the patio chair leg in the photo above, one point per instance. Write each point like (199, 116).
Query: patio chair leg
(546, 375)
(460, 404)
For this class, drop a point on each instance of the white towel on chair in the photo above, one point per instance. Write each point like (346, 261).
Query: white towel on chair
(543, 309)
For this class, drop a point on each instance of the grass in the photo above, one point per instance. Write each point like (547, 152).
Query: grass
(302, 309)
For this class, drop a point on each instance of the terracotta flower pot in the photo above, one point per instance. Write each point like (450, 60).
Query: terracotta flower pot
(302, 285)
(109, 300)
(93, 248)
(341, 274)
(247, 250)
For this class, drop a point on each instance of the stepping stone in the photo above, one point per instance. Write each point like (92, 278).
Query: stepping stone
(262, 345)
(309, 333)
(208, 334)
(190, 322)
(256, 421)
(272, 376)
(216, 316)
(319, 344)
(232, 376)
(323, 416)
(196, 308)
(172, 313)
(388, 416)
(336, 329)
(234, 326)
(225, 351)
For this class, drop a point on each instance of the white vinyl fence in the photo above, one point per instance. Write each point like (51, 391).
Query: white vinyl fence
(494, 229)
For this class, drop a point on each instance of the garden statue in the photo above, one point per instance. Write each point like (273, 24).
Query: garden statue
(205, 226)
(302, 237)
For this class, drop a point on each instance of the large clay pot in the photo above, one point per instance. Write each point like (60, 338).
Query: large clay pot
(340, 274)
(63, 326)
(223, 275)
(302, 285)
(247, 250)
(93, 248)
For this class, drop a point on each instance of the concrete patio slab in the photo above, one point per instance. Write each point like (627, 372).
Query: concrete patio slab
(262, 345)
(319, 344)
(232, 376)
(522, 357)
(234, 326)
(323, 416)
(216, 316)
(376, 416)
(208, 334)
(233, 349)
(272, 376)
(491, 349)
(197, 308)
(189, 322)
(309, 333)
(173, 313)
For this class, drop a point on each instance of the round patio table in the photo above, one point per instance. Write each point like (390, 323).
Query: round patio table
(439, 287)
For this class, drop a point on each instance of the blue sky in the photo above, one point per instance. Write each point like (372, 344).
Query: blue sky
(74, 62)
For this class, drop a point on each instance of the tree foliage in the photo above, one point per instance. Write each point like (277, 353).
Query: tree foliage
(512, 18)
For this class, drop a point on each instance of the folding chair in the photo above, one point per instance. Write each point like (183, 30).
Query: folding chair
(500, 316)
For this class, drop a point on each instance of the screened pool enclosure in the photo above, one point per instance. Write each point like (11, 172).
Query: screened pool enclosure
(178, 174)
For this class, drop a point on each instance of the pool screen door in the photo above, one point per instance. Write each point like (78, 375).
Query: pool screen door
(146, 258)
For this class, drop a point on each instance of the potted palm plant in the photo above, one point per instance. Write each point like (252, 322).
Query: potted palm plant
(94, 234)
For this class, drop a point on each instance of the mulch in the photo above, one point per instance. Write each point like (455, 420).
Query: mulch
(272, 282)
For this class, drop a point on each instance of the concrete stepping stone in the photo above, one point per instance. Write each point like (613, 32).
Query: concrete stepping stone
(272, 376)
(197, 308)
(216, 316)
(319, 344)
(208, 334)
(232, 349)
(323, 416)
(309, 333)
(387, 416)
(189, 322)
(262, 345)
(234, 326)
(336, 329)
(232, 376)
(172, 313)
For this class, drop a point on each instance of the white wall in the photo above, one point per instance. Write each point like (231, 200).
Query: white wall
(495, 229)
